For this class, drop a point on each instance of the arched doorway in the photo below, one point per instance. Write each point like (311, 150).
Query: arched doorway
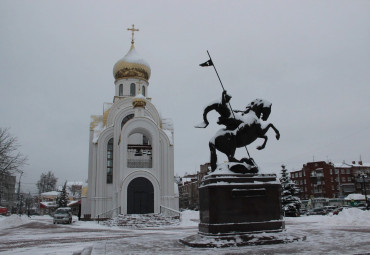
(140, 196)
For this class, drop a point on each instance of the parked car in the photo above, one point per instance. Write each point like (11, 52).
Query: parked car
(3, 210)
(330, 209)
(62, 215)
(338, 210)
(317, 211)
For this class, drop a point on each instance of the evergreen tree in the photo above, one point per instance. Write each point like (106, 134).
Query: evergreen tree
(290, 202)
(63, 197)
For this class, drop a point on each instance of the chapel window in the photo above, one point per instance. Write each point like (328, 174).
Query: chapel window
(143, 89)
(110, 161)
(125, 119)
(132, 89)
(145, 140)
(120, 90)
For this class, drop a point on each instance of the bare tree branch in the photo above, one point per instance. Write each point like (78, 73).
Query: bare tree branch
(11, 161)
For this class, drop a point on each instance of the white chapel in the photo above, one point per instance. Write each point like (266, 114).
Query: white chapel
(131, 148)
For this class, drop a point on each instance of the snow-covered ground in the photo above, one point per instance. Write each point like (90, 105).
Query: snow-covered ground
(346, 233)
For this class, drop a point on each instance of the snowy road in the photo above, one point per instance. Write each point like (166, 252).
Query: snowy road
(347, 233)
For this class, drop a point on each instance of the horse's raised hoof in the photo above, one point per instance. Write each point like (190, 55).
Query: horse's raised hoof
(277, 136)
(260, 147)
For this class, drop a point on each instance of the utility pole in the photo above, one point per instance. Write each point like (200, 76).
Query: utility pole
(19, 194)
(363, 181)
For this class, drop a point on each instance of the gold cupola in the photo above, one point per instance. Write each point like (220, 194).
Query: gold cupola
(132, 65)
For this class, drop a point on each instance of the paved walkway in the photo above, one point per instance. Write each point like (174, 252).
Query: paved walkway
(42, 237)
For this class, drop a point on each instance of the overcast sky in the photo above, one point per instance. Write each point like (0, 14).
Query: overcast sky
(311, 59)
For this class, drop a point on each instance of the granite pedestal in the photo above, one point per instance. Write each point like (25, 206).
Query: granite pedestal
(234, 204)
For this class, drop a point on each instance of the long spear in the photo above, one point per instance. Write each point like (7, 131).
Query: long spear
(210, 63)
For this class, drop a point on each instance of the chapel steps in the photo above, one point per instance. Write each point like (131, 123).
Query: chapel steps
(142, 220)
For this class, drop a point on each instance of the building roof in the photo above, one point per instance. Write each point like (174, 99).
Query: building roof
(51, 193)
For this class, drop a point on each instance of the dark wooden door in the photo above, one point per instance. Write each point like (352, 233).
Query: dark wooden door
(140, 196)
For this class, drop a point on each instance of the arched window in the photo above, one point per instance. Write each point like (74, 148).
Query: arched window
(110, 161)
(120, 90)
(132, 89)
(139, 151)
(125, 119)
(143, 91)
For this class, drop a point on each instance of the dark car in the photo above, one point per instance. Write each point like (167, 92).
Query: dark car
(317, 211)
(337, 211)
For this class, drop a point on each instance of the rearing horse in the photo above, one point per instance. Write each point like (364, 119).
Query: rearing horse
(249, 129)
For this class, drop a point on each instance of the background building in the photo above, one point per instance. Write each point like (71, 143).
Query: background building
(188, 188)
(7, 191)
(327, 180)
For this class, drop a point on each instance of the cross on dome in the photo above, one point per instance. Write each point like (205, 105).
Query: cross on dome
(133, 31)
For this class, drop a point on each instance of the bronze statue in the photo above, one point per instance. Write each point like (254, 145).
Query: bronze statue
(242, 128)
(223, 108)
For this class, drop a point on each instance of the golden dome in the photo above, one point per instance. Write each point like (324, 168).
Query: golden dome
(132, 65)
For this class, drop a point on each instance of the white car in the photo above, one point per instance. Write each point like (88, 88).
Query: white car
(63, 215)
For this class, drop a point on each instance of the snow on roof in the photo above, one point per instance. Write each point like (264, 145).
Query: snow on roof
(97, 131)
(140, 96)
(349, 165)
(342, 165)
(71, 183)
(74, 202)
(169, 135)
(51, 193)
(48, 204)
(355, 197)
(167, 123)
(133, 57)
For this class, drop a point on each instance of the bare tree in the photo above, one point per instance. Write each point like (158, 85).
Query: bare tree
(47, 182)
(11, 161)
(75, 190)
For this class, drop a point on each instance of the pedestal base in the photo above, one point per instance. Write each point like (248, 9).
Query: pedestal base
(234, 204)
(206, 241)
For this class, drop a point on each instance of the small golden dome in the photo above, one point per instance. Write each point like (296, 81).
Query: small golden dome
(139, 101)
(132, 65)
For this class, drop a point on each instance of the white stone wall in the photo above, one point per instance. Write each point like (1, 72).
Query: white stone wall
(126, 86)
(104, 197)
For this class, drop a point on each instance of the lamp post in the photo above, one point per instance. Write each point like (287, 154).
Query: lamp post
(363, 181)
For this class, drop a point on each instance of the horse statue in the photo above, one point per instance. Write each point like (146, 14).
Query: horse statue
(249, 128)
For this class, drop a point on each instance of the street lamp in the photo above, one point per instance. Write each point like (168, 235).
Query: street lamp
(364, 183)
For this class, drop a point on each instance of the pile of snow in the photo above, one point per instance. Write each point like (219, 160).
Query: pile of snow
(13, 221)
(349, 217)
(355, 197)
(189, 218)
